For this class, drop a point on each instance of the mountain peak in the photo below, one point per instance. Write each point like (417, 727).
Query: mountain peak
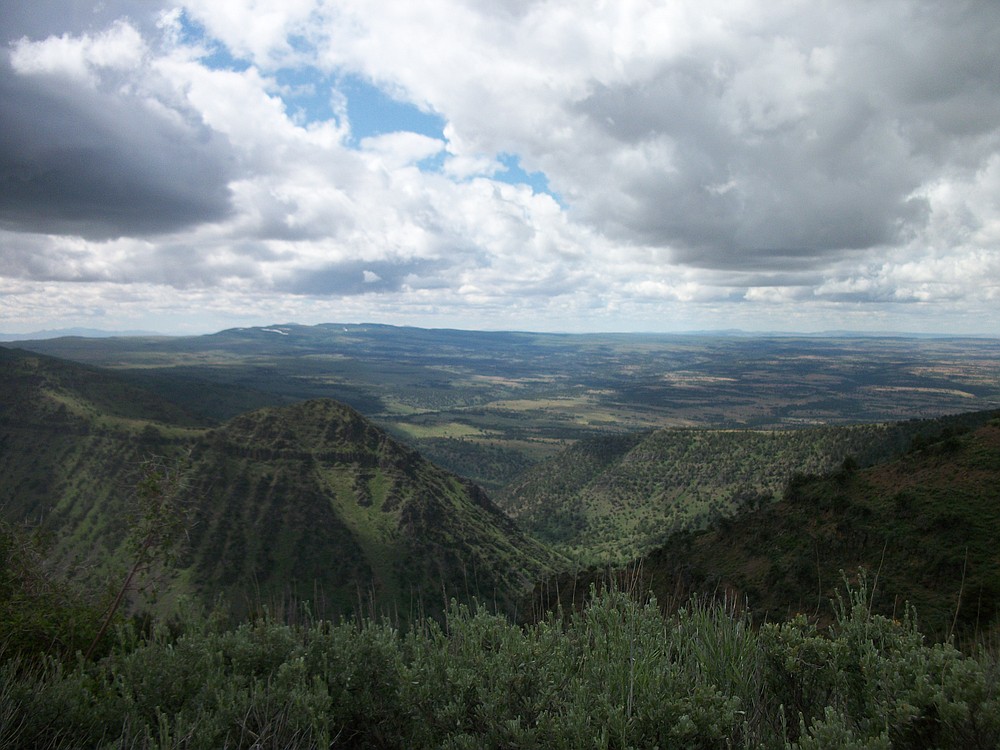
(320, 427)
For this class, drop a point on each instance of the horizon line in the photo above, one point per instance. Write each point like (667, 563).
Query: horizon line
(87, 332)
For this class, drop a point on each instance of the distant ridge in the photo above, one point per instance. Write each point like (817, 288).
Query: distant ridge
(835, 333)
(81, 332)
(90, 333)
(487, 405)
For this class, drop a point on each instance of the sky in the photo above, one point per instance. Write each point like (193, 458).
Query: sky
(548, 165)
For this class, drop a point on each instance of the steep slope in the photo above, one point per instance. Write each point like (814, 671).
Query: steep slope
(308, 501)
(924, 525)
(313, 501)
(42, 390)
(612, 499)
(71, 440)
(549, 499)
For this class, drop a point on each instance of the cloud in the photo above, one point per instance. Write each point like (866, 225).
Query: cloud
(401, 149)
(737, 136)
(263, 31)
(41, 19)
(357, 277)
(713, 161)
(834, 181)
(81, 158)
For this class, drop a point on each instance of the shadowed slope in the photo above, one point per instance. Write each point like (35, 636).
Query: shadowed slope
(313, 500)
(925, 526)
(612, 499)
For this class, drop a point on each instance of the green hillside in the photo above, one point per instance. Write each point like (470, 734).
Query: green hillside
(612, 499)
(313, 501)
(72, 439)
(925, 526)
(489, 404)
(308, 501)
(39, 390)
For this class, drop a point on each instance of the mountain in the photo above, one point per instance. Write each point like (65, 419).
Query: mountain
(611, 499)
(38, 389)
(307, 501)
(923, 525)
(489, 404)
(313, 499)
(80, 332)
(71, 437)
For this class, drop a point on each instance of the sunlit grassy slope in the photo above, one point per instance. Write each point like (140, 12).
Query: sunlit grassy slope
(314, 501)
(72, 439)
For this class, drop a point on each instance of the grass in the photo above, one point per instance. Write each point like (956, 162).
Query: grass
(445, 430)
(372, 529)
(926, 521)
(396, 407)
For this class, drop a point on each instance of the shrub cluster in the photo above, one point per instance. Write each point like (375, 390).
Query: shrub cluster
(617, 674)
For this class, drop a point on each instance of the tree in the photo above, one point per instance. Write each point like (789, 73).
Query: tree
(41, 611)
(162, 520)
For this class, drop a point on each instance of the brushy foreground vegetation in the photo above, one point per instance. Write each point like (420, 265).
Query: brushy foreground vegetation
(619, 673)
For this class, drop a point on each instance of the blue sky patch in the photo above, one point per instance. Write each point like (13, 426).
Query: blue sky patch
(515, 174)
(433, 163)
(306, 93)
(220, 57)
(373, 112)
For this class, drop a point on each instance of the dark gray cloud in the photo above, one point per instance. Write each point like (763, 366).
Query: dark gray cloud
(754, 175)
(179, 265)
(835, 180)
(96, 163)
(83, 161)
(37, 19)
(26, 256)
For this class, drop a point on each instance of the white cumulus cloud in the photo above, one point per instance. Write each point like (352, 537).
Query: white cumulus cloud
(710, 163)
